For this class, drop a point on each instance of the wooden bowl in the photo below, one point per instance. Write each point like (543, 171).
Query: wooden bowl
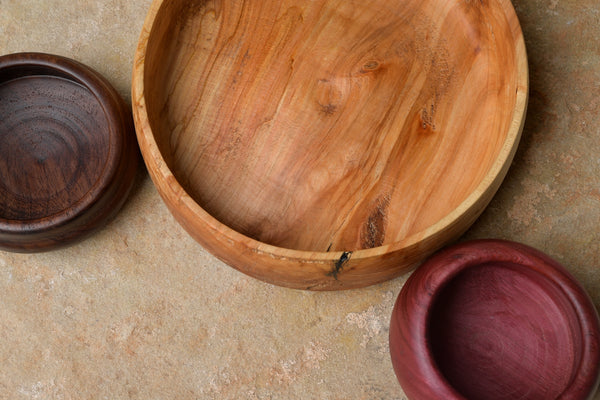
(494, 320)
(328, 144)
(68, 155)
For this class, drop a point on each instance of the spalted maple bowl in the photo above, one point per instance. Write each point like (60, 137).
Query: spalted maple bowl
(68, 155)
(328, 144)
(494, 320)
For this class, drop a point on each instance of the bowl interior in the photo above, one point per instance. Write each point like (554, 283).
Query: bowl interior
(330, 125)
(54, 142)
(499, 330)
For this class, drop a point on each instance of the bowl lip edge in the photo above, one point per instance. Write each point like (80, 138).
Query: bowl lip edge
(474, 201)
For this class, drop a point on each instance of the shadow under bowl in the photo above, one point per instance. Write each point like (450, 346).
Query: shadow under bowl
(494, 320)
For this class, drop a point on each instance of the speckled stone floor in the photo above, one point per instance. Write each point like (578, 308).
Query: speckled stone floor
(140, 311)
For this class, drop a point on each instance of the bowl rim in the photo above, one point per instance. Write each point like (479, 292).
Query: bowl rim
(173, 193)
(442, 268)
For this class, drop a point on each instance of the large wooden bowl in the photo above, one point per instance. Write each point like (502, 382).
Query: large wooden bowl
(328, 144)
(495, 320)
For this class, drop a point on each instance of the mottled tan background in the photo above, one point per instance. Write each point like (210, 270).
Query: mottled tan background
(140, 311)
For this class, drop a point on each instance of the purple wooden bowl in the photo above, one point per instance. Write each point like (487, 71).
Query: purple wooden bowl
(493, 319)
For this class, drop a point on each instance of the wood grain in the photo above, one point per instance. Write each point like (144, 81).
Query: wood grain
(495, 320)
(305, 131)
(50, 152)
(68, 154)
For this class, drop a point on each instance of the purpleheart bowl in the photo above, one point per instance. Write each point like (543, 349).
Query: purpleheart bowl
(493, 319)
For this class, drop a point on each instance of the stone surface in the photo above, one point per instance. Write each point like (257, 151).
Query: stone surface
(140, 311)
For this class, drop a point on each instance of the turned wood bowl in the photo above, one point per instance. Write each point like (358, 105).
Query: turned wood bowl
(490, 319)
(328, 144)
(68, 155)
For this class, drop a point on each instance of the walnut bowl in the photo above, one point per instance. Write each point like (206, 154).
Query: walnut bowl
(328, 144)
(68, 155)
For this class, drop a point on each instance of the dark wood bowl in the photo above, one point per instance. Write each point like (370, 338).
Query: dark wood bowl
(489, 320)
(68, 155)
(326, 144)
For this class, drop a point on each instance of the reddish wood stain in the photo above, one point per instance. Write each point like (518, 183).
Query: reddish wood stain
(495, 320)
